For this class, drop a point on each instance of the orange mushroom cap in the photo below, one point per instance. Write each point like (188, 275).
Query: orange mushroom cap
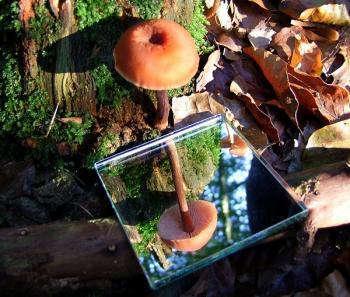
(157, 55)
(238, 147)
(170, 228)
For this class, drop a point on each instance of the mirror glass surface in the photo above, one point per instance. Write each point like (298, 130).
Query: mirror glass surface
(250, 203)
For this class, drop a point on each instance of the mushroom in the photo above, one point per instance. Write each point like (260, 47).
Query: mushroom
(236, 146)
(161, 55)
(234, 143)
(157, 55)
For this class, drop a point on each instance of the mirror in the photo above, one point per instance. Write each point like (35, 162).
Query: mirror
(204, 171)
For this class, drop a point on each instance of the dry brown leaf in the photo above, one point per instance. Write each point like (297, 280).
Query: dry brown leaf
(333, 102)
(261, 35)
(275, 71)
(320, 11)
(341, 75)
(262, 3)
(307, 57)
(216, 76)
(291, 88)
(284, 41)
(246, 17)
(229, 41)
(332, 136)
(221, 11)
(77, 120)
(250, 88)
(317, 32)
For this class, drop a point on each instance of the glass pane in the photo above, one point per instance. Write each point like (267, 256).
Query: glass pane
(192, 197)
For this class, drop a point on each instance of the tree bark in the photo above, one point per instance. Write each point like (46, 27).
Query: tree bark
(84, 250)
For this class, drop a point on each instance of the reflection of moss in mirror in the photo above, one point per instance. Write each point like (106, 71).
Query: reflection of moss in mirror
(147, 231)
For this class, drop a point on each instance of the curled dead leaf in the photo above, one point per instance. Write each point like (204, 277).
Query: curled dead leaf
(331, 136)
(317, 32)
(320, 11)
(333, 102)
(275, 71)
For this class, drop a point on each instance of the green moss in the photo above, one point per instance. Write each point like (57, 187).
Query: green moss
(43, 28)
(90, 12)
(147, 232)
(198, 28)
(202, 147)
(9, 21)
(72, 133)
(148, 9)
(10, 77)
(110, 91)
(106, 145)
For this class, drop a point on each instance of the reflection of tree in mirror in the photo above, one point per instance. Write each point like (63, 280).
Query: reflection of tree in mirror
(227, 191)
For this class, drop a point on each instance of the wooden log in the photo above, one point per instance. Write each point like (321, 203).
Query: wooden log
(84, 250)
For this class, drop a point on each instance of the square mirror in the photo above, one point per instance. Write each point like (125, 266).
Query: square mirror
(194, 196)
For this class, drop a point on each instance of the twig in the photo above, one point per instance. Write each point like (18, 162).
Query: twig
(83, 208)
(52, 120)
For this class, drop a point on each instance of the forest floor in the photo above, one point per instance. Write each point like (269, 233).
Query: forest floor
(279, 70)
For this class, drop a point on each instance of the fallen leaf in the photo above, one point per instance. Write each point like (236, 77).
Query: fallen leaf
(307, 57)
(229, 41)
(319, 11)
(275, 71)
(342, 74)
(333, 102)
(77, 120)
(297, 91)
(332, 136)
(335, 14)
(339, 67)
(317, 32)
(262, 3)
(249, 87)
(284, 41)
(261, 35)
(216, 76)
(220, 9)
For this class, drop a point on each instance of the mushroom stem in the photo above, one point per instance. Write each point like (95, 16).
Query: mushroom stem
(163, 108)
(187, 222)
